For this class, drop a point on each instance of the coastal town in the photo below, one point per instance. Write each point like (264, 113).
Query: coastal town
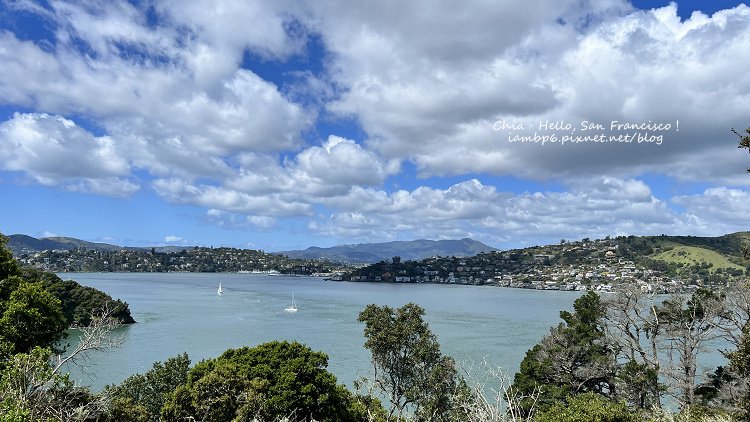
(599, 265)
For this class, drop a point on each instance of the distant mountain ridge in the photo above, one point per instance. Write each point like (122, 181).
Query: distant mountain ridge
(363, 253)
(368, 253)
(21, 243)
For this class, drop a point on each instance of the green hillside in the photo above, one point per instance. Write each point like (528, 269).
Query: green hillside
(728, 244)
(694, 255)
(720, 252)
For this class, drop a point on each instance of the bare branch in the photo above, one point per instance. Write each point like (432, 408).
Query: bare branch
(96, 337)
(493, 399)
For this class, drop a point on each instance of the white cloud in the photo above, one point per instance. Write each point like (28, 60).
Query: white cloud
(54, 151)
(601, 207)
(173, 239)
(264, 188)
(179, 192)
(315, 173)
(342, 161)
(112, 186)
(722, 209)
(255, 25)
(262, 222)
(141, 88)
(436, 107)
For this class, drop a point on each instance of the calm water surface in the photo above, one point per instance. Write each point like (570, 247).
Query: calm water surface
(181, 312)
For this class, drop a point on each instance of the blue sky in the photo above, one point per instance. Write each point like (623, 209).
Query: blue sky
(280, 125)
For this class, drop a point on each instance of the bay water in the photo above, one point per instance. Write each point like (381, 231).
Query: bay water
(181, 312)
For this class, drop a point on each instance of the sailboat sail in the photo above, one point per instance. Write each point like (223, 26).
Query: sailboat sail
(220, 291)
(292, 308)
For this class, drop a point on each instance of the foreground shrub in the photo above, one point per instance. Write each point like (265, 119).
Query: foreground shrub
(589, 407)
(268, 382)
(145, 394)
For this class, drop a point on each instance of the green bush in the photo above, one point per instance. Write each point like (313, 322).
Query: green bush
(146, 394)
(588, 407)
(29, 316)
(270, 381)
(124, 409)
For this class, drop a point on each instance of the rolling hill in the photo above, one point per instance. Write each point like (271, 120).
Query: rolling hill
(725, 252)
(21, 243)
(692, 255)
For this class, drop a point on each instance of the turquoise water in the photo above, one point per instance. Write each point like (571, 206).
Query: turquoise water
(181, 312)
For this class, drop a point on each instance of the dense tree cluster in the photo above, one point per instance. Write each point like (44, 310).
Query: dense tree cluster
(79, 302)
(636, 350)
(29, 315)
(32, 323)
(268, 382)
(142, 396)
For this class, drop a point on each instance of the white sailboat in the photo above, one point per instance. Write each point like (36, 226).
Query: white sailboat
(220, 291)
(292, 308)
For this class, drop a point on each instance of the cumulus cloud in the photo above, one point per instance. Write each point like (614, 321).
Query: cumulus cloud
(722, 209)
(568, 60)
(180, 192)
(54, 151)
(342, 160)
(317, 172)
(600, 207)
(265, 188)
(143, 86)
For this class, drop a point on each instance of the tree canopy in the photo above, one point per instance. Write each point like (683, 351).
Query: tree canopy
(144, 395)
(273, 380)
(573, 358)
(79, 302)
(409, 367)
(30, 316)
